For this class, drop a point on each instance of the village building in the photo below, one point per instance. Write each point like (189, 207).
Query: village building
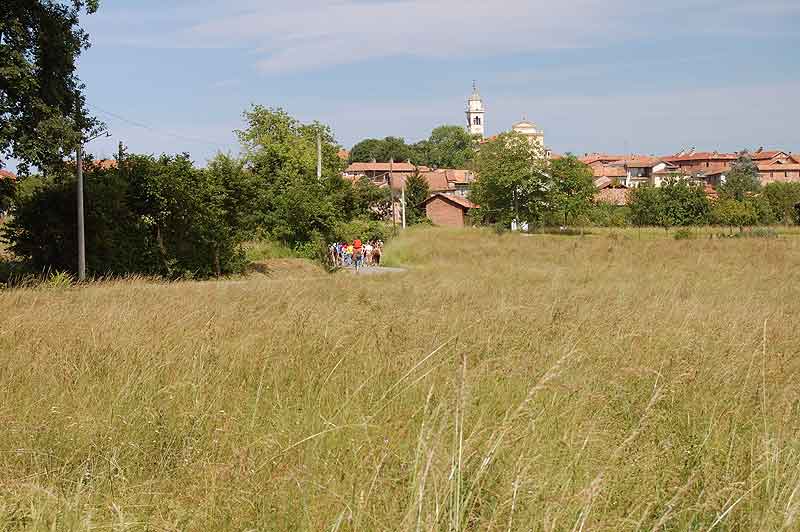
(379, 173)
(447, 209)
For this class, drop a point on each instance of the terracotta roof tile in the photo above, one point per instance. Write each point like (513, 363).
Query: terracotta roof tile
(765, 155)
(5, 174)
(458, 200)
(612, 196)
(702, 156)
(592, 158)
(437, 181)
(379, 167)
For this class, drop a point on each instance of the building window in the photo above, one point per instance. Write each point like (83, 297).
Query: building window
(477, 120)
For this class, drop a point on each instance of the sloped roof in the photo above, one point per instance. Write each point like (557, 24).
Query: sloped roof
(765, 155)
(702, 156)
(594, 158)
(640, 161)
(608, 170)
(715, 171)
(603, 182)
(437, 181)
(5, 174)
(612, 196)
(456, 200)
(380, 167)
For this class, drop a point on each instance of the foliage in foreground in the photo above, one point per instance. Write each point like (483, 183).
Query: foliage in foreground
(154, 216)
(42, 103)
(557, 386)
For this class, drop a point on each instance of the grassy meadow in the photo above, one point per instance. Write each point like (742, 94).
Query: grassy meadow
(605, 382)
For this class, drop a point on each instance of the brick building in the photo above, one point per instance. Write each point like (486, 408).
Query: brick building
(447, 209)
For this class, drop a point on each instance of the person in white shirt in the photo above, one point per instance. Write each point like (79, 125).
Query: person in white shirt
(368, 253)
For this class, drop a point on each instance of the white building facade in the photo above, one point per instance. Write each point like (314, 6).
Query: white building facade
(476, 113)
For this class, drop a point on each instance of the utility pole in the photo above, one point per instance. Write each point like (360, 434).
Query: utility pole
(319, 155)
(391, 194)
(81, 233)
(404, 204)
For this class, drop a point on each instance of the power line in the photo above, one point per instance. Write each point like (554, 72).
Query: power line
(155, 130)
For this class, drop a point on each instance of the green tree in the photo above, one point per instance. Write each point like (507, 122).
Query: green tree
(647, 207)
(512, 182)
(42, 104)
(450, 147)
(734, 213)
(365, 200)
(156, 216)
(294, 205)
(684, 203)
(741, 180)
(573, 186)
(784, 199)
(417, 192)
(381, 150)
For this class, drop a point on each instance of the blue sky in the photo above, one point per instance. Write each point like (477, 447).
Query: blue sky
(612, 75)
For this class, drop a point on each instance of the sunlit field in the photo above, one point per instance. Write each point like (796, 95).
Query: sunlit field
(606, 382)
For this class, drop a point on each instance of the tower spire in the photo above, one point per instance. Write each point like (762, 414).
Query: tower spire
(475, 112)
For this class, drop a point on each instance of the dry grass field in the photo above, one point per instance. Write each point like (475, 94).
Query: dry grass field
(544, 383)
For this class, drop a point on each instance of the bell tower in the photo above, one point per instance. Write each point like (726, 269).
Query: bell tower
(475, 113)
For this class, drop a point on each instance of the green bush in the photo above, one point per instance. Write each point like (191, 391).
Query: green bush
(153, 216)
(606, 215)
(784, 200)
(683, 234)
(361, 228)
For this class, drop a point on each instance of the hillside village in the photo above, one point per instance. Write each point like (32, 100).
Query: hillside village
(614, 175)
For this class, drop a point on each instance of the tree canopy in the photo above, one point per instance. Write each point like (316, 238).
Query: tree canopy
(447, 147)
(573, 186)
(512, 180)
(417, 191)
(42, 106)
(381, 150)
(741, 180)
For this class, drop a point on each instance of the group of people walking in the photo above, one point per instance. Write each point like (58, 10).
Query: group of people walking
(356, 254)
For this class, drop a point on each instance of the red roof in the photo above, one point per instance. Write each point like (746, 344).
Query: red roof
(592, 158)
(764, 155)
(640, 161)
(796, 157)
(380, 167)
(702, 156)
(603, 182)
(5, 174)
(612, 196)
(343, 155)
(608, 170)
(457, 200)
(437, 181)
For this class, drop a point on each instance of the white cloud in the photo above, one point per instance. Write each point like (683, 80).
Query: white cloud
(290, 36)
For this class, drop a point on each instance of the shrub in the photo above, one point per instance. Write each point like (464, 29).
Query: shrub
(360, 228)
(683, 234)
(734, 213)
(153, 216)
(606, 215)
(784, 199)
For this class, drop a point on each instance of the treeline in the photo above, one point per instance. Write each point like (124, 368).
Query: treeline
(165, 216)
(516, 182)
(742, 201)
(447, 147)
